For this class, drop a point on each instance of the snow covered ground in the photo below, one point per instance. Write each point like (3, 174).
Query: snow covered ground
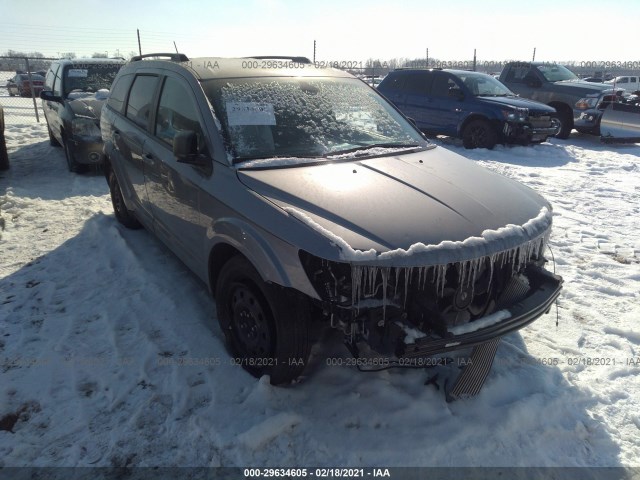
(111, 354)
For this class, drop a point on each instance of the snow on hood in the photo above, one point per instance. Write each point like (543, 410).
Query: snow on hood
(87, 104)
(490, 242)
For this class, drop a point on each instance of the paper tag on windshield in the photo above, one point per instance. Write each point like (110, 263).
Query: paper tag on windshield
(250, 113)
(78, 72)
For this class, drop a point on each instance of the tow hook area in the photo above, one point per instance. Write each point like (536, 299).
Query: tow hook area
(472, 370)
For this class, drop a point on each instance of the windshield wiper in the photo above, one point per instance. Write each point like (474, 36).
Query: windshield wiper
(373, 145)
(245, 158)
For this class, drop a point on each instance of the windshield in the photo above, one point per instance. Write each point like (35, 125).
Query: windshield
(300, 117)
(89, 77)
(484, 85)
(556, 73)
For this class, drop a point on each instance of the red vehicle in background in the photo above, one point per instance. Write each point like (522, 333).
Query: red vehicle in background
(21, 84)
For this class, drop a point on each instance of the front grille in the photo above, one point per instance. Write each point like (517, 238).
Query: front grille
(543, 121)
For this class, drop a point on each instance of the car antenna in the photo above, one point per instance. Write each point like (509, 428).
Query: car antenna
(175, 46)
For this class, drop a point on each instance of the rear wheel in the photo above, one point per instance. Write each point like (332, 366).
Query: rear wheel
(479, 134)
(123, 215)
(266, 327)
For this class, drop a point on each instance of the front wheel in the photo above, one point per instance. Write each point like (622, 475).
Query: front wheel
(565, 117)
(266, 327)
(72, 164)
(123, 215)
(479, 134)
(52, 140)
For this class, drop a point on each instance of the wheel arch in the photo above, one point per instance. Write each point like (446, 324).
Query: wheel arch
(564, 108)
(275, 260)
(478, 116)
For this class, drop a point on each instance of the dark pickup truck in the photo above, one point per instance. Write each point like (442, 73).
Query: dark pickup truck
(579, 104)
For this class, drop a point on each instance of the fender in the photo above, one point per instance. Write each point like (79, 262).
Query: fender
(275, 260)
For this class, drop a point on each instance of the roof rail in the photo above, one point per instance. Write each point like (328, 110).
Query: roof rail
(174, 57)
(281, 57)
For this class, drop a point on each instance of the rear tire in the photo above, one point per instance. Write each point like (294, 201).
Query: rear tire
(266, 327)
(479, 134)
(123, 215)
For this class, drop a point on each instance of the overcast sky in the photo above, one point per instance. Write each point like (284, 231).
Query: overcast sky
(348, 30)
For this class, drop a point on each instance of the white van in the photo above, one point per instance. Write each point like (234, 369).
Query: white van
(630, 83)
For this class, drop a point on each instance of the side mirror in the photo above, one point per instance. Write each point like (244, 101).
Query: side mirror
(456, 93)
(185, 148)
(49, 96)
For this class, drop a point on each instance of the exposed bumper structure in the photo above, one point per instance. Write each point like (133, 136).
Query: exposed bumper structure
(545, 289)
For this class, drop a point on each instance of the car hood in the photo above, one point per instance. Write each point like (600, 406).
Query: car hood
(87, 105)
(584, 88)
(519, 102)
(394, 203)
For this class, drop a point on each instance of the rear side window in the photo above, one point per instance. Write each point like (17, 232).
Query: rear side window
(139, 104)
(119, 92)
(518, 74)
(392, 82)
(417, 83)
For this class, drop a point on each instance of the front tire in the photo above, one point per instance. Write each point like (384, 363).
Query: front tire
(565, 117)
(266, 327)
(72, 164)
(123, 215)
(479, 134)
(52, 140)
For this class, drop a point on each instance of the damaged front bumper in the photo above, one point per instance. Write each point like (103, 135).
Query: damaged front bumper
(544, 288)
(536, 130)
(420, 312)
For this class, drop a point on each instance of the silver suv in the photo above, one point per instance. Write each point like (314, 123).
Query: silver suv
(299, 193)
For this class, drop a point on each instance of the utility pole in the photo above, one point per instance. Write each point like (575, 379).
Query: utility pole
(427, 65)
(314, 51)
(474, 59)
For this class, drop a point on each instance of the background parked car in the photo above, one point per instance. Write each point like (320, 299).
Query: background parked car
(4, 157)
(72, 100)
(473, 106)
(20, 84)
(631, 83)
